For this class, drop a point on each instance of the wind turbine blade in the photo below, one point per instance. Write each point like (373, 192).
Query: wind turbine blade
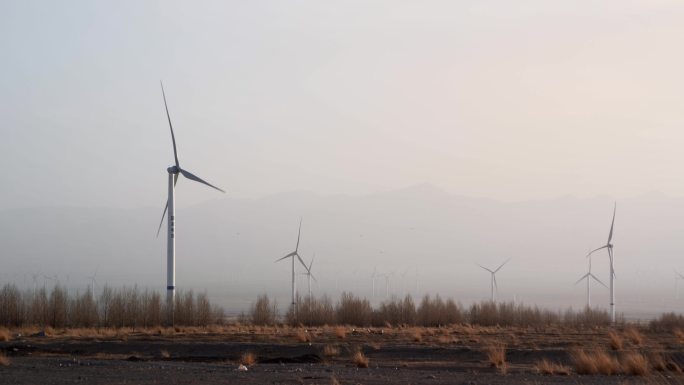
(299, 234)
(485, 268)
(302, 262)
(287, 256)
(311, 264)
(610, 235)
(190, 176)
(312, 277)
(582, 279)
(497, 269)
(595, 250)
(162, 218)
(598, 280)
(173, 137)
(610, 254)
(496, 286)
(679, 274)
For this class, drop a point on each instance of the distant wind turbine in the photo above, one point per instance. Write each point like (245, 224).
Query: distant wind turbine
(678, 276)
(493, 283)
(609, 247)
(309, 275)
(92, 283)
(373, 276)
(292, 255)
(171, 220)
(588, 277)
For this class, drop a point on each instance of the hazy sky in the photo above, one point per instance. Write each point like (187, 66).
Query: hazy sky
(509, 100)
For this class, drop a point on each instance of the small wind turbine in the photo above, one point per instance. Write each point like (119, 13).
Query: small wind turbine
(493, 283)
(309, 275)
(373, 276)
(171, 219)
(678, 276)
(609, 247)
(92, 283)
(294, 254)
(588, 277)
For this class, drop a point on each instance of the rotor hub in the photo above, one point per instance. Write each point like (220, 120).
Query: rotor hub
(173, 170)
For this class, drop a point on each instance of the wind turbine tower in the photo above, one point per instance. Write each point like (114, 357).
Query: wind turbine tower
(171, 219)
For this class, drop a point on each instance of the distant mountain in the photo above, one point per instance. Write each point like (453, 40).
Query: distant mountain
(419, 233)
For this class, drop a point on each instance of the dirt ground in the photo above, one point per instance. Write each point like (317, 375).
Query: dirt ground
(455, 355)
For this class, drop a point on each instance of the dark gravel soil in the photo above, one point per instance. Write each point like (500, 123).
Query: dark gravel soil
(214, 359)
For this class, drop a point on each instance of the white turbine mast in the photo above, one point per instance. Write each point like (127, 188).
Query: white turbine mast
(373, 276)
(492, 283)
(589, 277)
(609, 246)
(292, 255)
(92, 283)
(171, 219)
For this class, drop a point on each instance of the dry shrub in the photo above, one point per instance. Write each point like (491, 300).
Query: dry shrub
(616, 342)
(416, 335)
(248, 359)
(547, 367)
(635, 364)
(333, 381)
(496, 354)
(445, 339)
(165, 353)
(331, 351)
(673, 367)
(680, 335)
(4, 361)
(633, 335)
(594, 362)
(340, 332)
(4, 334)
(657, 362)
(360, 360)
(303, 336)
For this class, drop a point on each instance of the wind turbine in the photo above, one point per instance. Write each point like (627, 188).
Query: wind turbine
(493, 283)
(678, 276)
(309, 275)
(92, 283)
(171, 219)
(294, 254)
(609, 247)
(373, 276)
(588, 277)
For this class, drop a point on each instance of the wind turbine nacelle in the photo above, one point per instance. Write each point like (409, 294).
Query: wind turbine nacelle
(173, 170)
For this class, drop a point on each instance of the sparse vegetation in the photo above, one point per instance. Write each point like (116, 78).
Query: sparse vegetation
(596, 361)
(4, 361)
(615, 340)
(359, 359)
(248, 359)
(633, 335)
(340, 332)
(4, 334)
(331, 351)
(547, 367)
(496, 354)
(635, 364)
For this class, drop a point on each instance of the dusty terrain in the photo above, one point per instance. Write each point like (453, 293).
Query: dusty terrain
(454, 355)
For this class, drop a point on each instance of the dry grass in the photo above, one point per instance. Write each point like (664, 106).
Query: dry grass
(303, 336)
(340, 332)
(496, 354)
(635, 364)
(4, 334)
(657, 362)
(679, 334)
(594, 362)
(331, 351)
(4, 361)
(165, 353)
(416, 335)
(547, 367)
(616, 342)
(633, 335)
(333, 381)
(360, 360)
(248, 359)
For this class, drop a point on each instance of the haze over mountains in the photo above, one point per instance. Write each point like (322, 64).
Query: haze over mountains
(429, 240)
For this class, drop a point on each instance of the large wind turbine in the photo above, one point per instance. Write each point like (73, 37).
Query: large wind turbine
(309, 275)
(588, 277)
(294, 254)
(493, 278)
(171, 220)
(609, 247)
